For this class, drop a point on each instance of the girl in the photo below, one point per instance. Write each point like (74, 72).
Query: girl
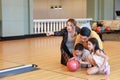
(69, 35)
(97, 58)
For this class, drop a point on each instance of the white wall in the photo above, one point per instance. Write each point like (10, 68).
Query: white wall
(70, 8)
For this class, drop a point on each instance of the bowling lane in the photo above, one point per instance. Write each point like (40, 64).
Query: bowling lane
(6, 64)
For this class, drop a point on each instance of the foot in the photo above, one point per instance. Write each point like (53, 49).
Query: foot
(107, 70)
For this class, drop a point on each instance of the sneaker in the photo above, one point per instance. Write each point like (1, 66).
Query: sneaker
(107, 70)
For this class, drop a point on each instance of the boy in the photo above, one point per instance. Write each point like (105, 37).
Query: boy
(80, 54)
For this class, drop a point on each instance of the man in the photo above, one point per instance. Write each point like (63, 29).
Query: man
(85, 34)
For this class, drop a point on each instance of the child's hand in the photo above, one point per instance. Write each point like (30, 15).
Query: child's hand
(72, 58)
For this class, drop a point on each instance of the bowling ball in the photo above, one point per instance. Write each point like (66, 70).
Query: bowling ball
(98, 29)
(102, 29)
(73, 65)
(107, 29)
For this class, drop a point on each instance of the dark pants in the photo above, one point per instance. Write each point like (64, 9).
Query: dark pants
(65, 54)
(65, 57)
(100, 35)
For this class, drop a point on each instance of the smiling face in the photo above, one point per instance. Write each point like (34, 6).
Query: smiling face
(90, 46)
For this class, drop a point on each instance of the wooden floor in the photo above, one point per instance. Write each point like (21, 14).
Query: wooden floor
(45, 52)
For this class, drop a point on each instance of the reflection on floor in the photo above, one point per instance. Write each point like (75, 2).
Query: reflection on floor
(45, 52)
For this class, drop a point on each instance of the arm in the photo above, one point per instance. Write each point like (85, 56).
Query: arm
(100, 53)
(83, 62)
(61, 32)
(57, 33)
(49, 33)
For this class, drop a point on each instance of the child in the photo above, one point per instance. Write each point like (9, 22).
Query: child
(80, 54)
(97, 58)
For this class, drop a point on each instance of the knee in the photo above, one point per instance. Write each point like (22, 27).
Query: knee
(89, 57)
(88, 72)
(91, 71)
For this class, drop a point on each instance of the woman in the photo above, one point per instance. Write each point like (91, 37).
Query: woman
(69, 35)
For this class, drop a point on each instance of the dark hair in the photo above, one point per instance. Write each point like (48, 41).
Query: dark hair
(99, 24)
(72, 21)
(79, 46)
(94, 41)
(85, 32)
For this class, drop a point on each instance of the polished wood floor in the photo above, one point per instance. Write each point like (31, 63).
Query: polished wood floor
(45, 52)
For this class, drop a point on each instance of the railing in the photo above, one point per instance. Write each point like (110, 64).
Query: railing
(51, 25)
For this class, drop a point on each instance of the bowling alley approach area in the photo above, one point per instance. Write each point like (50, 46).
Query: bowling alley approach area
(39, 59)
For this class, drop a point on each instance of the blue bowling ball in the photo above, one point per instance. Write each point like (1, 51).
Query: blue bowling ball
(102, 29)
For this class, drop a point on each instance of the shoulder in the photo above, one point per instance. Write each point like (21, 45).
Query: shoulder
(86, 51)
(62, 32)
(65, 29)
(77, 29)
(99, 52)
(78, 36)
(93, 33)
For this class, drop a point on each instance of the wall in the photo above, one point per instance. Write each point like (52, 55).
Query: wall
(70, 8)
(30, 17)
(0, 18)
(109, 9)
(117, 4)
(117, 7)
(91, 9)
(100, 9)
(15, 18)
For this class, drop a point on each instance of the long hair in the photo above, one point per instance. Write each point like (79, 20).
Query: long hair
(94, 41)
(72, 21)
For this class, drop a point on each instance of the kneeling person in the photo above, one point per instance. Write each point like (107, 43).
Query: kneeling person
(80, 54)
